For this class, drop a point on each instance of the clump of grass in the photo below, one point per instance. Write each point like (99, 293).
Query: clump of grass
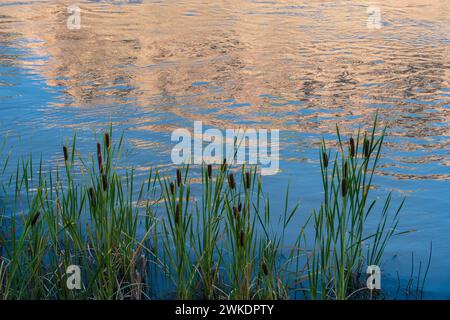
(88, 219)
(221, 241)
(212, 249)
(342, 245)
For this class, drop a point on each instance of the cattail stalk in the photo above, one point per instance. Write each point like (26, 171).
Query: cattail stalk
(105, 182)
(237, 215)
(265, 269)
(352, 147)
(92, 196)
(35, 218)
(325, 159)
(235, 212)
(366, 148)
(231, 181)
(177, 214)
(179, 178)
(247, 180)
(224, 164)
(344, 187)
(209, 171)
(66, 154)
(99, 157)
(345, 169)
(107, 140)
(242, 238)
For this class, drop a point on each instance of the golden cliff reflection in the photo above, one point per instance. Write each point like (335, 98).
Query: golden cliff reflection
(291, 65)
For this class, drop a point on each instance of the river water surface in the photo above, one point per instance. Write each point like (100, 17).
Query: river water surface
(149, 67)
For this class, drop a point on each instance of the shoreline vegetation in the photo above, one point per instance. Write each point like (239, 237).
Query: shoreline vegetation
(138, 240)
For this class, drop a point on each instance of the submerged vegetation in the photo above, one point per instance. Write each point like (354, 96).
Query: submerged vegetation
(216, 238)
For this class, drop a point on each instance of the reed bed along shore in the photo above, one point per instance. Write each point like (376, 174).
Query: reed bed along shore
(223, 242)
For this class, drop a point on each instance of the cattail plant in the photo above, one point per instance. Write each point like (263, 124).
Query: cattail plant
(210, 223)
(105, 182)
(325, 159)
(235, 212)
(224, 165)
(242, 238)
(92, 197)
(176, 232)
(66, 154)
(344, 187)
(177, 214)
(337, 256)
(366, 148)
(99, 157)
(352, 147)
(224, 243)
(247, 180)
(345, 171)
(35, 217)
(209, 171)
(264, 268)
(231, 181)
(107, 140)
(237, 215)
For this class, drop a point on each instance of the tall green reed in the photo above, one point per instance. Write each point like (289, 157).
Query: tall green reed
(342, 244)
(87, 215)
(220, 241)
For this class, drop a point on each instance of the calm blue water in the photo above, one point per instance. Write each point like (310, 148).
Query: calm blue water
(150, 67)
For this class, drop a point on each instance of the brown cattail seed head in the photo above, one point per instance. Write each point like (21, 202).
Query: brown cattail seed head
(345, 170)
(105, 182)
(366, 148)
(344, 187)
(99, 157)
(242, 238)
(66, 153)
(209, 171)
(247, 180)
(240, 207)
(92, 196)
(179, 178)
(264, 268)
(107, 140)
(231, 181)
(177, 214)
(224, 164)
(325, 159)
(352, 147)
(35, 218)
(172, 188)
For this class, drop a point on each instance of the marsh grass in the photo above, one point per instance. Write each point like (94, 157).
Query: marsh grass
(222, 241)
(343, 247)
